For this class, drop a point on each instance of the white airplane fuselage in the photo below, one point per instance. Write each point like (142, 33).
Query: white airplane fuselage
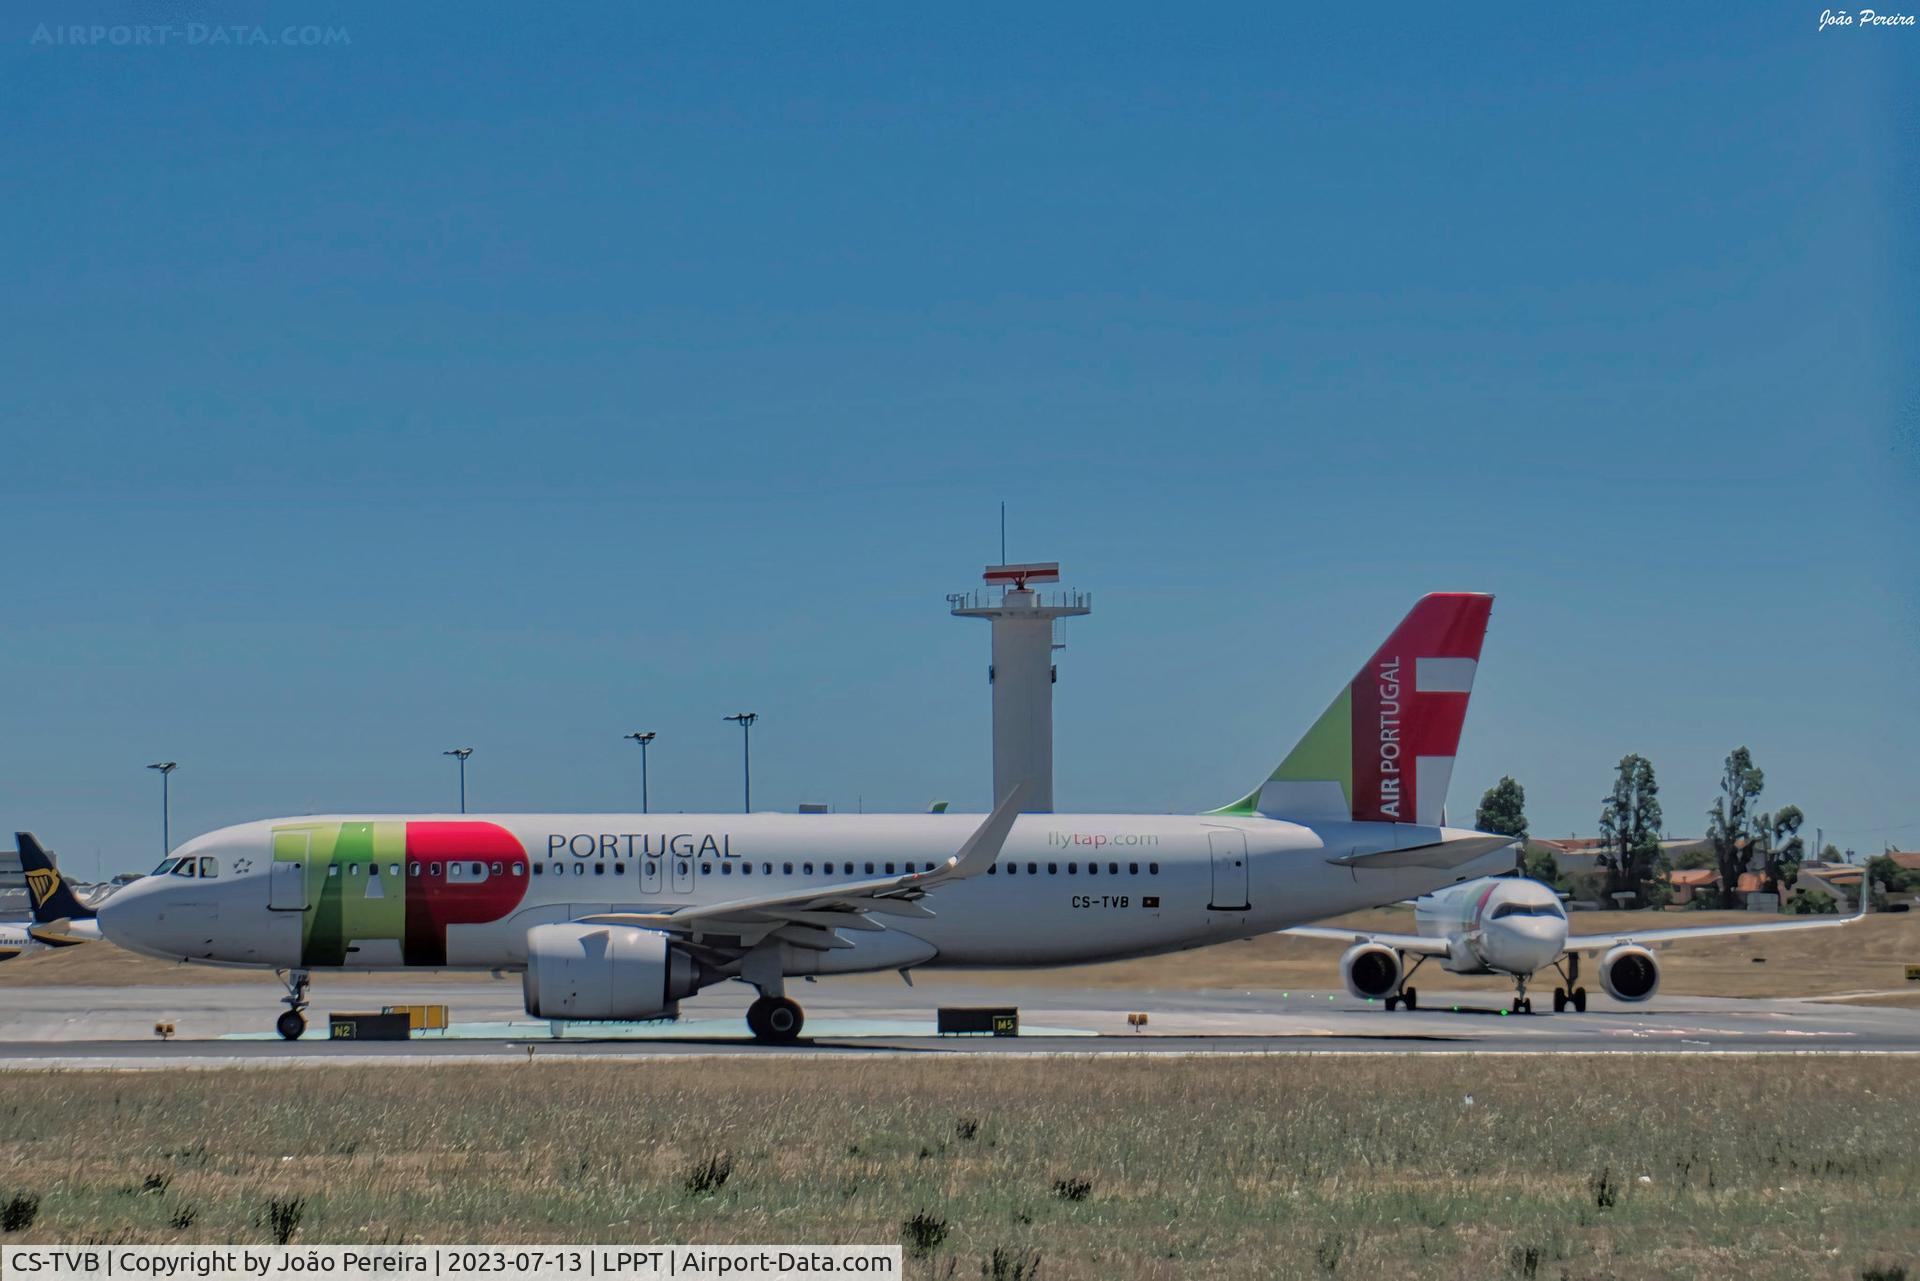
(1495, 925)
(462, 891)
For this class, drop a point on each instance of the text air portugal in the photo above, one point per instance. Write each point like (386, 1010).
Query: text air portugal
(1411, 702)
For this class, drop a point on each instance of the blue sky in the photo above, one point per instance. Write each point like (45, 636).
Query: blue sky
(519, 380)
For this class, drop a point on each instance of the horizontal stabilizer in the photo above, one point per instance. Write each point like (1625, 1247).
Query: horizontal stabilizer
(1457, 852)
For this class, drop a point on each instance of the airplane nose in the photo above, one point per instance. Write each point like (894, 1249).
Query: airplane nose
(130, 918)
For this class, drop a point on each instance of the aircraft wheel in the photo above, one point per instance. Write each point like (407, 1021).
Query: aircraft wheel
(1579, 1000)
(1393, 1003)
(757, 1018)
(291, 1025)
(1559, 1000)
(1410, 998)
(782, 1021)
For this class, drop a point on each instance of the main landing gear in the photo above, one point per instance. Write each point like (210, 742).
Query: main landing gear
(1407, 996)
(1571, 994)
(775, 1020)
(292, 1022)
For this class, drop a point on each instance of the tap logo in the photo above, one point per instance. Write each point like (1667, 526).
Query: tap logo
(41, 883)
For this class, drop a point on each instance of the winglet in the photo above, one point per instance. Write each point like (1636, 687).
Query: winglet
(983, 847)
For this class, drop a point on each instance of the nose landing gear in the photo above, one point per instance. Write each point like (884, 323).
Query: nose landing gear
(292, 1023)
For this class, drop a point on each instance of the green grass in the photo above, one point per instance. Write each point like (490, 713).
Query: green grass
(1286, 1166)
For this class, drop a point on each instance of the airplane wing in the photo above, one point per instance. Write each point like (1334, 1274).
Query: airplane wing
(1418, 944)
(1592, 944)
(809, 917)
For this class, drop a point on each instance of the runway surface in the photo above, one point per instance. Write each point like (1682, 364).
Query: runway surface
(113, 1027)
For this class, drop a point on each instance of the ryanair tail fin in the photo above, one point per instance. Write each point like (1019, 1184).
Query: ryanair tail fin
(1383, 752)
(53, 899)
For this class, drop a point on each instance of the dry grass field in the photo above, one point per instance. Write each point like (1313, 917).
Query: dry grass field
(1868, 957)
(1098, 1168)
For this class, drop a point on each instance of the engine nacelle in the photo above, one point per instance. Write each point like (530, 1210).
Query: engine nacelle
(605, 972)
(1629, 973)
(1372, 970)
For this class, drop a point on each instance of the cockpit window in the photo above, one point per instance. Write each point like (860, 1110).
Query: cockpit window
(1527, 909)
(209, 866)
(184, 867)
(166, 865)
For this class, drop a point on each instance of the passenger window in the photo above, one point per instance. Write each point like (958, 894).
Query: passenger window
(1012, 868)
(869, 869)
(579, 869)
(1053, 869)
(766, 869)
(599, 869)
(479, 870)
(1093, 869)
(333, 869)
(807, 868)
(209, 866)
(495, 869)
(1133, 869)
(353, 869)
(1153, 869)
(413, 869)
(726, 869)
(746, 869)
(706, 869)
(1073, 869)
(1113, 869)
(515, 867)
(537, 870)
(653, 869)
(619, 869)
(1033, 869)
(992, 868)
(786, 869)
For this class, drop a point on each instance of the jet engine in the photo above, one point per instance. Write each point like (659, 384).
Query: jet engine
(1629, 973)
(1372, 970)
(605, 972)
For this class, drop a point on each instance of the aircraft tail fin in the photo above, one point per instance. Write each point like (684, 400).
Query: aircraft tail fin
(1383, 752)
(52, 898)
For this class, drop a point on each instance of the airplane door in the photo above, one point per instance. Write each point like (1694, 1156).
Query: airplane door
(1229, 870)
(287, 881)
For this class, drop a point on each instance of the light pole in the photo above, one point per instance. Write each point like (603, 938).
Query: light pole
(643, 740)
(166, 768)
(462, 753)
(746, 720)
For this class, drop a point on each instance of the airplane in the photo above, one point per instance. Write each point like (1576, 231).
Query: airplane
(60, 919)
(621, 916)
(1516, 926)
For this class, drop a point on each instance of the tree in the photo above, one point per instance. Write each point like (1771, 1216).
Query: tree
(1729, 822)
(1831, 854)
(1778, 845)
(1503, 809)
(1630, 827)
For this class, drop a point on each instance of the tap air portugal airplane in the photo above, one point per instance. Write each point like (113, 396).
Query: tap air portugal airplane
(1516, 927)
(620, 916)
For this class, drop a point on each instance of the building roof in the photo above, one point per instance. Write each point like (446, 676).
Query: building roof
(1694, 877)
(1909, 860)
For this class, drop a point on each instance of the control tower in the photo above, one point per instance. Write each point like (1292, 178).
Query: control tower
(1022, 673)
